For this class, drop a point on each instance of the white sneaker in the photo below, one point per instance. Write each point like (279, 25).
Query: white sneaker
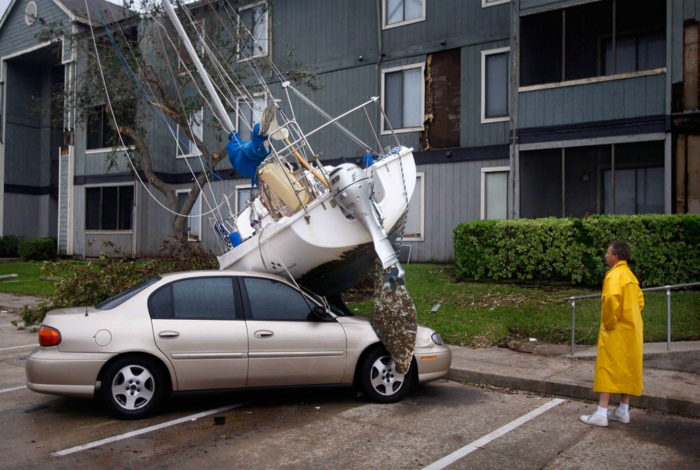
(595, 420)
(617, 415)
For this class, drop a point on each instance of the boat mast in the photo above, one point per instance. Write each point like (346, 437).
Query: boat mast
(218, 105)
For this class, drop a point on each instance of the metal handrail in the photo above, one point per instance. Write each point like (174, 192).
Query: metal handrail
(667, 288)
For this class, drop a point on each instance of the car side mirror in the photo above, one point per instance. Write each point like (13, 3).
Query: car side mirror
(320, 312)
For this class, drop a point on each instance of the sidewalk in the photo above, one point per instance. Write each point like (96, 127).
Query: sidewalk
(551, 370)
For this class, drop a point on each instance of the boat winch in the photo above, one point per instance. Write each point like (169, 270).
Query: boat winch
(352, 190)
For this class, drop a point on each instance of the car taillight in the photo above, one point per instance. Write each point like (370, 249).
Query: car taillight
(49, 336)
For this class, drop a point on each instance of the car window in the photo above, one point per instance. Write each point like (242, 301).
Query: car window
(204, 298)
(122, 297)
(272, 300)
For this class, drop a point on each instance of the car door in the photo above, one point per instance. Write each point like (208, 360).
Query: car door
(198, 324)
(288, 344)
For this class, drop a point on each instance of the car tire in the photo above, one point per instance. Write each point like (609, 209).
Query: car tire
(380, 381)
(133, 387)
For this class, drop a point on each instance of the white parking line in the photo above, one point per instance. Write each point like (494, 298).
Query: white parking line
(127, 435)
(12, 389)
(19, 347)
(469, 448)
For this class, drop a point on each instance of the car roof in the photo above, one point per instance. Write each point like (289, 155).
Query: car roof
(216, 273)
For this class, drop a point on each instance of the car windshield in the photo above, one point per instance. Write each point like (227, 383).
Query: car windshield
(122, 297)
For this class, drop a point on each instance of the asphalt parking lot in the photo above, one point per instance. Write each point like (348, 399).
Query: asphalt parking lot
(442, 425)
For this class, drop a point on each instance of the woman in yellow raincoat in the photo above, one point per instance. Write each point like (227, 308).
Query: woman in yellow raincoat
(618, 367)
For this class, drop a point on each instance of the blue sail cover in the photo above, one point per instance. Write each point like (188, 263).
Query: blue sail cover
(246, 156)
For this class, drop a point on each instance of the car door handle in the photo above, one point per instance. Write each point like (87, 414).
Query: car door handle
(169, 334)
(263, 334)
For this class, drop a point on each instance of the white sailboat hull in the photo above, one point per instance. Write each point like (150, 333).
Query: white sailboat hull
(296, 246)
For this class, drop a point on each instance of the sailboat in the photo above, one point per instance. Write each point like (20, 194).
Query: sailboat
(319, 225)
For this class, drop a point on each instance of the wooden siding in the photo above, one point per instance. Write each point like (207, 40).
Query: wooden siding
(30, 216)
(452, 196)
(27, 161)
(16, 36)
(602, 101)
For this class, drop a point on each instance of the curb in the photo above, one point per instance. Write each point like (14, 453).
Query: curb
(664, 404)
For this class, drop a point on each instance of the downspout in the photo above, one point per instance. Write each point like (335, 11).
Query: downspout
(514, 74)
(380, 56)
(380, 52)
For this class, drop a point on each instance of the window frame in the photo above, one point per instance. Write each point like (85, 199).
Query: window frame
(178, 144)
(420, 176)
(484, 54)
(249, 315)
(494, 169)
(90, 151)
(487, 3)
(241, 102)
(237, 199)
(401, 68)
(268, 33)
(198, 204)
(405, 22)
(236, 311)
(117, 230)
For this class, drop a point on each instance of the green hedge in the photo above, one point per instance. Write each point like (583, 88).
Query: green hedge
(37, 249)
(9, 246)
(665, 248)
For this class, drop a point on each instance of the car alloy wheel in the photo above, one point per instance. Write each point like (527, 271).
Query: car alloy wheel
(380, 380)
(133, 387)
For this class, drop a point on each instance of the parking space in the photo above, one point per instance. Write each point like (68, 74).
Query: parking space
(442, 425)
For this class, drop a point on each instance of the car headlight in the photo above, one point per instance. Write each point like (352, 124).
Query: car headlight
(426, 336)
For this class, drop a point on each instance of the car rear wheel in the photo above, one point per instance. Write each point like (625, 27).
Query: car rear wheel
(380, 380)
(133, 387)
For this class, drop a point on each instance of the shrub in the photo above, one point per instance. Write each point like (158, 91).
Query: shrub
(108, 276)
(37, 249)
(665, 248)
(9, 246)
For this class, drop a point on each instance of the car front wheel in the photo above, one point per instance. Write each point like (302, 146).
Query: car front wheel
(133, 387)
(380, 381)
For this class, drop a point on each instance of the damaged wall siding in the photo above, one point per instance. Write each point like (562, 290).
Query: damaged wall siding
(442, 100)
(686, 123)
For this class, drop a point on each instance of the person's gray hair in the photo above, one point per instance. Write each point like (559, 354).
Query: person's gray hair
(620, 249)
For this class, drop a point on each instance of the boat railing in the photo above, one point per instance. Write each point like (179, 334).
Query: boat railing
(668, 290)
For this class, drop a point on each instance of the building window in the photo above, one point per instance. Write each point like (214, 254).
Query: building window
(109, 208)
(402, 12)
(495, 95)
(416, 217)
(253, 31)
(596, 39)
(194, 221)
(249, 112)
(490, 3)
(402, 93)
(623, 178)
(185, 146)
(494, 192)
(100, 135)
(243, 196)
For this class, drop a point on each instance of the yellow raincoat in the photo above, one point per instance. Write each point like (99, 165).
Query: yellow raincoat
(618, 367)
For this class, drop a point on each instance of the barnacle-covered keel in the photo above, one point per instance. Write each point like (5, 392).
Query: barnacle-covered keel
(394, 319)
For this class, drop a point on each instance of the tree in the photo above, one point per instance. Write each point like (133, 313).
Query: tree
(144, 67)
